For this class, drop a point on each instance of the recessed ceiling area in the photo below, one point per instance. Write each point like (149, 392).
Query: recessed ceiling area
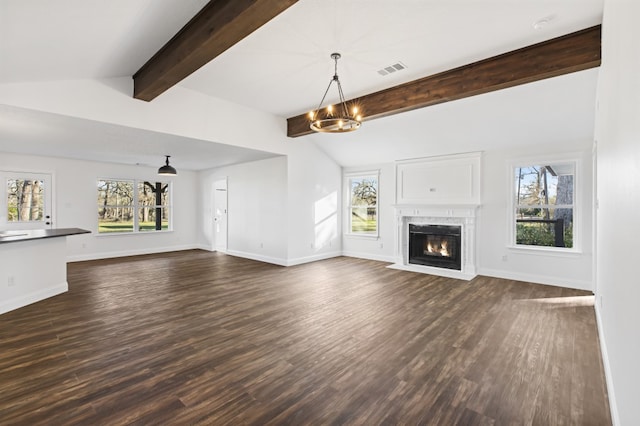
(283, 69)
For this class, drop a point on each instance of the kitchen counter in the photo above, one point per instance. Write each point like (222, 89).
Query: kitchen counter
(33, 265)
(37, 234)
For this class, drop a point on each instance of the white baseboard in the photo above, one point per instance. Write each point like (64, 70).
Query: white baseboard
(442, 272)
(613, 407)
(206, 247)
(538, 279)
(258, 257)
(138, 252)
(36, 296)
(314, 258)
(369, 256)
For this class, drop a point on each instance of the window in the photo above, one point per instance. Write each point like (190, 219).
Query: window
(363, 204)
(545, 205)
(133, 206)
(25, 200)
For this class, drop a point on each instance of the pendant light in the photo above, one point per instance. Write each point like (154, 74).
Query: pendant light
(338, 118)
(167, 170)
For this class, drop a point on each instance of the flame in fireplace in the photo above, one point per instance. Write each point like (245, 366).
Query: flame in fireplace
(440, 247)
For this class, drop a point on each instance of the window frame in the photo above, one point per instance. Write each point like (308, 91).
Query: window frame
(137, 207)
(348, 177)
(572, 159)
(48, 199)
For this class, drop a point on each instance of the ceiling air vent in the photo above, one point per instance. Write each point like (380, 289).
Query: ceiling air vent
(398, 66)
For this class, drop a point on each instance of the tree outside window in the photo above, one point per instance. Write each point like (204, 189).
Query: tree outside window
(544, 205)
(153, 202)
(363, 205)
(25, 200)
(133, 206)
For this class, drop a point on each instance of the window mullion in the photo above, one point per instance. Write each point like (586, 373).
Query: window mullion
(136, 227)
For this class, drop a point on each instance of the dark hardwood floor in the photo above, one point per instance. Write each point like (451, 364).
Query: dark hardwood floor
(203, 338)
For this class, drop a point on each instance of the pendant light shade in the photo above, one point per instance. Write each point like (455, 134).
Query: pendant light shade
(167, 170)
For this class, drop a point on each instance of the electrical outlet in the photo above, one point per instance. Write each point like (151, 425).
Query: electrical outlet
(261, 245)
(381, 245)
(505, 258)
(11, 281)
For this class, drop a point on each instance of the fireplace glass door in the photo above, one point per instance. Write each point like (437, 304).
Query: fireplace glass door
(435, 245)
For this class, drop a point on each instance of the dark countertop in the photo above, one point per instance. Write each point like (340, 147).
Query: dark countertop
(38, 234)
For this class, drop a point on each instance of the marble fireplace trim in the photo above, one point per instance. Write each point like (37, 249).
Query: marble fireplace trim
(464, 216)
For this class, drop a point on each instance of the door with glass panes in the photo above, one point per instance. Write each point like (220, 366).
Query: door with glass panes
(25, 201)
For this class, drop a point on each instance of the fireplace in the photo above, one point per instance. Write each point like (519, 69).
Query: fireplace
(435, 245)
(452, 240)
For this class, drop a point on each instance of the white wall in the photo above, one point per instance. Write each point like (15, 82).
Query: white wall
(257, 209)
(76, 205)
(314, 204)
(381, 248)
(22, 283)
(567, 269)
(618, 189)
(283, 210)
(178, 111)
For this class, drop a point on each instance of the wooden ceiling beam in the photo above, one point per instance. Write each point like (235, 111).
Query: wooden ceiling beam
(563, 55)
(217, 27)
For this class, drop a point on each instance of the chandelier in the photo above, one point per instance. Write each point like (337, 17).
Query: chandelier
(335, 119)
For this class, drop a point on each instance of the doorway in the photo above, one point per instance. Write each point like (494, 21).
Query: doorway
(220, 215)
(26, 200)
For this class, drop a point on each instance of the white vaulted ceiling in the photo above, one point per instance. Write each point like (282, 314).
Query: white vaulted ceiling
(283, 68)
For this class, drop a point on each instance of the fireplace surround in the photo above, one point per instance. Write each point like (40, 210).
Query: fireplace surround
(457, 221)
(442, 192)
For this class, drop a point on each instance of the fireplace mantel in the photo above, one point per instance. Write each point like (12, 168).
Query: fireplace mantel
(463, 215)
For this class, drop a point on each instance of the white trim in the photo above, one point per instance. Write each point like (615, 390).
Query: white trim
(252, 256)
(136, 252)
(613, 406)
(546, 251)
(537, 279)
(136, 206)
(441, 272)
(50, 209)
(369, 256)
(347, 191)
(472, 161)
(450, 215)
(33, 297)
(220, 184)
(314, 258)
(362, 236)
(576, 159)
(130, 233)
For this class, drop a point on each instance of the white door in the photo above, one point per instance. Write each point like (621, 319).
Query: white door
(220, 215)
(26, 200)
